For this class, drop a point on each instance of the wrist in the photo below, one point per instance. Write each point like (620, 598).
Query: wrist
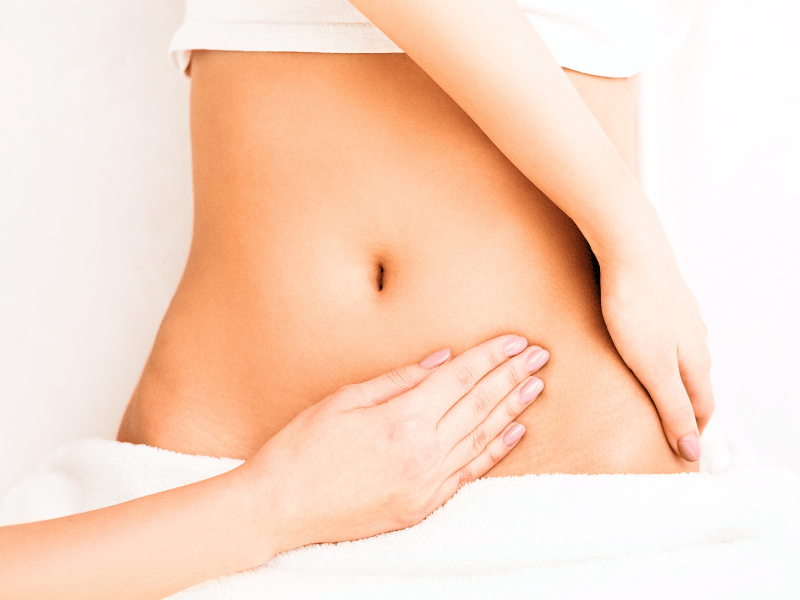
(267, 513)
(631, 236)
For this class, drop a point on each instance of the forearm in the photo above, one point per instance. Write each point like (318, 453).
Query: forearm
(488, 57)
(345, 468)
(150, 547)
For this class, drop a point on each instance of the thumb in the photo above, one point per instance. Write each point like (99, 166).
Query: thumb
(675, 409)
(387, 386)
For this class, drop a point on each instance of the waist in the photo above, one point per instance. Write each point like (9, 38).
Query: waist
(344, 232)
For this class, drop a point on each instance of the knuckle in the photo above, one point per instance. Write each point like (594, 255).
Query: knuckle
(684, 412)
(465, 375)
(495, 359)
(513, 376)
(401, 378)
(511, 412)
(417, 451)
(407, 427)
(477, 440)
(465, 475)
(494, 453)
(481, 402)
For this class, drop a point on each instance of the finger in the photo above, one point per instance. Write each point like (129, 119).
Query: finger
(475, 441)
(697, 381)
(466, 414)
(449, 383)
(389, 385)
(702, 397)
(675, 409)
(477, 467)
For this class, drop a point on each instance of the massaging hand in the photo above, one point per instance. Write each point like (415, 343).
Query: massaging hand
(655, 323)
(373, 457)
(382, 455)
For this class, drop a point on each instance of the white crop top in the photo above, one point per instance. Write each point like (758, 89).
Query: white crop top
(611, 38)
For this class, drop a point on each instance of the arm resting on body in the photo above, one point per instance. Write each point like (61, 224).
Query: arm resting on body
(489, 58)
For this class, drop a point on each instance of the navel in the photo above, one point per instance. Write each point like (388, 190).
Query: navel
(379, 277)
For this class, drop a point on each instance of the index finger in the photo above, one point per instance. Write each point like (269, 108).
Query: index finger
(669, 395)
(450, 382)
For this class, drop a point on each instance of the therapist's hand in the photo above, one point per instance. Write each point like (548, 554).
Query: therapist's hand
(370, 458)
(381, 455)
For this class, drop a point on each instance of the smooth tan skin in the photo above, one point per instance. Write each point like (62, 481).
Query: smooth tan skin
(313, 171)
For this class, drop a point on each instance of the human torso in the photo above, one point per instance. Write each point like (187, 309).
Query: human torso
(351, 218)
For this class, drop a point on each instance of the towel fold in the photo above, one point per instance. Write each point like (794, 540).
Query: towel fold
(731, 531)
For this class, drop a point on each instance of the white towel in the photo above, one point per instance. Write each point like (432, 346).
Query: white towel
(732, 531)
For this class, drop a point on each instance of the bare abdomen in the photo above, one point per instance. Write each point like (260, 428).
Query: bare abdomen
(351, 218)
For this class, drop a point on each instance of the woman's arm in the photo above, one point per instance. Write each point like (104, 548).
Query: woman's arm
(145, 548)
(371, 458)
(488, 57)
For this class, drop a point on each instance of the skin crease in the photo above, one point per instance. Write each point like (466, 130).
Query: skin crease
(312, 173)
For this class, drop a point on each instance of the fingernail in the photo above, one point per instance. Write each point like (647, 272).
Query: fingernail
(435, 359)
(536, 360)
(515, 345)
(513, 434)
(530, 390)
(689, 446)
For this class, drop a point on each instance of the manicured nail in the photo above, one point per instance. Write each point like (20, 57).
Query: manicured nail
(530, 390)
(513, 434)
(435, 359)
(515, 345)
(689, 446)
(536, 360)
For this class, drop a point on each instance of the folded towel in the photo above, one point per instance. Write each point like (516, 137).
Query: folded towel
(731, 531)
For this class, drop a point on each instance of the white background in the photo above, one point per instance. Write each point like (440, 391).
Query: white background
(95, 208)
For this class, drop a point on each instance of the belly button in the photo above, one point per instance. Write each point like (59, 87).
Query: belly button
(379, 277)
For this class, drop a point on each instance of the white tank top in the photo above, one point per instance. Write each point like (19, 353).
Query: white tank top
(612, 38)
